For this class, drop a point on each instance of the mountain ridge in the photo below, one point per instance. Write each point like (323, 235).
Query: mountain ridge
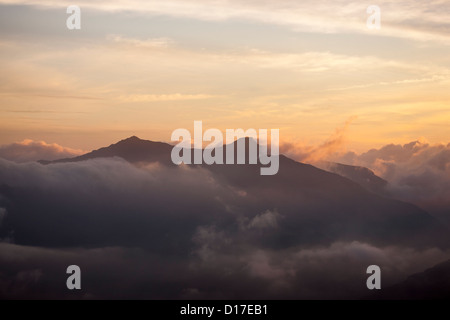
(132, 149)
(334, 206)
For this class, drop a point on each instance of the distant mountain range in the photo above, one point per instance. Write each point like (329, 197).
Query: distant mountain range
(361, 175)
(224, 230)
(136, 150)
(133, 150)
(320, 206)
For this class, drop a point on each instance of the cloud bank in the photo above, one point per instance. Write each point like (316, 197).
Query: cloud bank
(417, 172)
(29, 150)
(186, 232)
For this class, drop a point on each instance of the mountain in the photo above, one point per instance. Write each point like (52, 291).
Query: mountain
(318, 207)
(133, 150)
(361, 175)
(433, 283)
(200, 231)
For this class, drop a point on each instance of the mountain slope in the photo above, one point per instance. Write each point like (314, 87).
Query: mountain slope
(318, 207)
(361, 175)
(433, 283)
(132, 149)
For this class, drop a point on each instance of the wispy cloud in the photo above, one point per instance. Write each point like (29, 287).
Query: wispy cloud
(146, 43)
(309, 153)
(162, 97)
(432, 78)
(30, 150)
(411, 19)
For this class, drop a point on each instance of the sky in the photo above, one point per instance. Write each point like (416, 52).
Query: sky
(337, 90)
(310, 68)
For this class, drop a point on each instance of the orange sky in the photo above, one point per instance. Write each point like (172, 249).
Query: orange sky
(146, 69)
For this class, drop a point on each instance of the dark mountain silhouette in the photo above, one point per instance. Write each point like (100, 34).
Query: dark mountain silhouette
(133, 150)
(136, 150)
(319, 207)
(432, 284)
(361, 175)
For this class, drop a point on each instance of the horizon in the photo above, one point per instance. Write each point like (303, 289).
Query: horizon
(287, 150)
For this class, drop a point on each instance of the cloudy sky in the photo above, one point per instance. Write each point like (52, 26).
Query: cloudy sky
(147, 68)
(337, 91)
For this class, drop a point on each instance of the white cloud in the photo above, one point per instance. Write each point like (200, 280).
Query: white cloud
(30, 150)
(267, 219)
(417, 172)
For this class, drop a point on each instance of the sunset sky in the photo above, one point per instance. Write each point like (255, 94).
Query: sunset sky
(363, 182)
(146, 68)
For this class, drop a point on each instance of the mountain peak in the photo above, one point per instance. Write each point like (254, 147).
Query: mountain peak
(131, 139)
(132, 149)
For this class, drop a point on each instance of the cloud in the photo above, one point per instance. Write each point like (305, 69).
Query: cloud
(232, 271)
(313, 154)
(29, 150)
(411, 19)
(156, 202)
(147, 43)
(162, 97)
(436, 77)
(157, 232)
(337, 270)
(417, 172)
(40, 273)
(268, 219)
(141, 206)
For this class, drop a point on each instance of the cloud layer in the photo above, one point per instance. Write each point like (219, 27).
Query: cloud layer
(29, 150)
(183, 232)
(417, 172)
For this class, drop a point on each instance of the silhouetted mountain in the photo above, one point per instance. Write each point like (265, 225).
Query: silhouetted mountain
(361, 175)
(433, 283)
(319, 207)
(133, 150)
(199, 231)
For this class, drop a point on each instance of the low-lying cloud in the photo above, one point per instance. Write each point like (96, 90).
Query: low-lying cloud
(417, 172)
(226, 271)
(162, 232)
(29, 150)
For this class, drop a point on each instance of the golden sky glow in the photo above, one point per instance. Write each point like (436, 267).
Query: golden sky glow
(146, 68)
